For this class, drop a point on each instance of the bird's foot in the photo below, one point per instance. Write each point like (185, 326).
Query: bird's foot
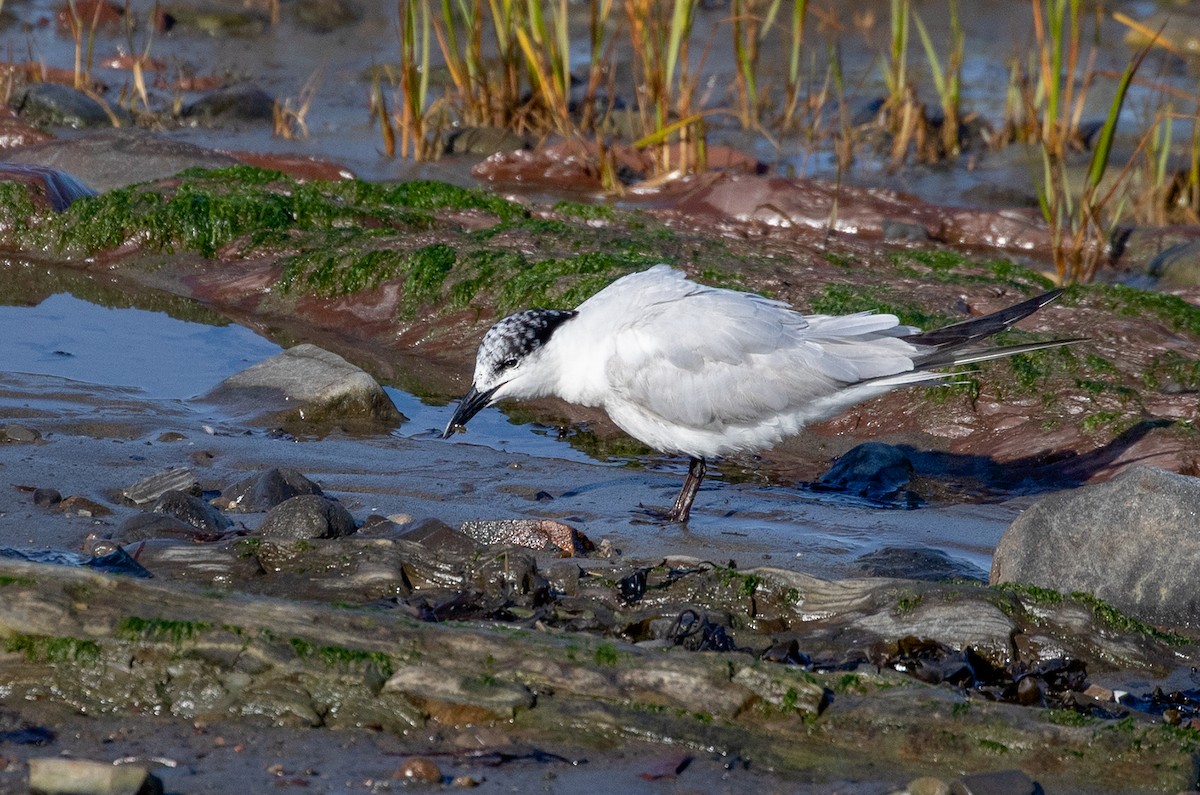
(650, 515)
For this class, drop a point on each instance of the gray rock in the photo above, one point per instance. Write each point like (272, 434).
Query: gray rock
(56, 105)
(873, 470)
(54, 776)
(108, 159)
(917, 563)
(1177, 266)
(903, 230)
(1131, 541)
(214, 20)
(307, 516)
(150, 489)
(263, 492)
(928, 785)
(192, 511)
(143, 526)
(307, 384)
(1001, 782)
(20, 433)
(500, 699)
(437, 535)
(323, 16)
(485, 141)
(240, 103)
(46, 498)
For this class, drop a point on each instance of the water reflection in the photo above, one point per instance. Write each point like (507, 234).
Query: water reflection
(163, 357)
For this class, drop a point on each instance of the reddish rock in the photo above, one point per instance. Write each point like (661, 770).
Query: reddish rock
(576, 165)
(128, 62)
(89, 15)
(298, 166)
(15, 131)
(49, 188)
(812, 204)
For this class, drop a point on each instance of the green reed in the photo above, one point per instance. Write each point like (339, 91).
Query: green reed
(1080, 227)
(795, 49)
(947, 81)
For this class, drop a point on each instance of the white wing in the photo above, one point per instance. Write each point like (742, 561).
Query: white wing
(712, 359)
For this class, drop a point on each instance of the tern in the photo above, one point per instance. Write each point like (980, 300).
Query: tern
(703, 371)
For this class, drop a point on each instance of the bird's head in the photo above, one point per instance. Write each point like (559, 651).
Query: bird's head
(507, 365)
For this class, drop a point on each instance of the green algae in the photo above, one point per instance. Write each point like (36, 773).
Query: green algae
(44, 649)
(18, 212)
(606, 654)
(1102, 610)
(203, 211)
(160, 629)
(1174, 370)
(952, 267)
(1032, 594)
(6, 580)
(1122, 622)
(843, 299)
(1176, 313)
(342, 658)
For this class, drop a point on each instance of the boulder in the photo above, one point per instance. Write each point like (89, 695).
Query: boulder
(1133, 542)
(264, 491)
(307, 516)
(309, 385)
(109, 159)
(55, 105)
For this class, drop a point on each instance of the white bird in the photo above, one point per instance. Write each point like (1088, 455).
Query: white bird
(703, 371)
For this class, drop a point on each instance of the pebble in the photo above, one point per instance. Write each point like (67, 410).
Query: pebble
(310, 384)
(1177, 266)
(873, 470)
(142, 526)
(420, 769)
(82, 506)
(928, 785)
(20, 433)
(436, 534)
(46, 498)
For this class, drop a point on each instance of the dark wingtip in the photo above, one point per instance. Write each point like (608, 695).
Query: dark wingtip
(975, 329)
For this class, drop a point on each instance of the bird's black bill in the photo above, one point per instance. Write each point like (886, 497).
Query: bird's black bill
(470, 405)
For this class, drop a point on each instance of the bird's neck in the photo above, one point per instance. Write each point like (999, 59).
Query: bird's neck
(576, 356)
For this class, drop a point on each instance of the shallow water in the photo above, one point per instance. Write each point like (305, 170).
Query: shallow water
(341, 128)
(160, 356)
(88, 376)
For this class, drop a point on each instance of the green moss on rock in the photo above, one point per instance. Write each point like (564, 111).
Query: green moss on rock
(204, 211)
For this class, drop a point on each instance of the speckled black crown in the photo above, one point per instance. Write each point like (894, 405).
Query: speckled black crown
(519, 335)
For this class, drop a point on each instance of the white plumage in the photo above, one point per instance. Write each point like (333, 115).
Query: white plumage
(703, 371)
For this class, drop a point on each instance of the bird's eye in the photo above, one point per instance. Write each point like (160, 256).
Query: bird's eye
(509, 363)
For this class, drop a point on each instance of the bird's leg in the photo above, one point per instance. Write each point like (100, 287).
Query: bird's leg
(687, 495)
